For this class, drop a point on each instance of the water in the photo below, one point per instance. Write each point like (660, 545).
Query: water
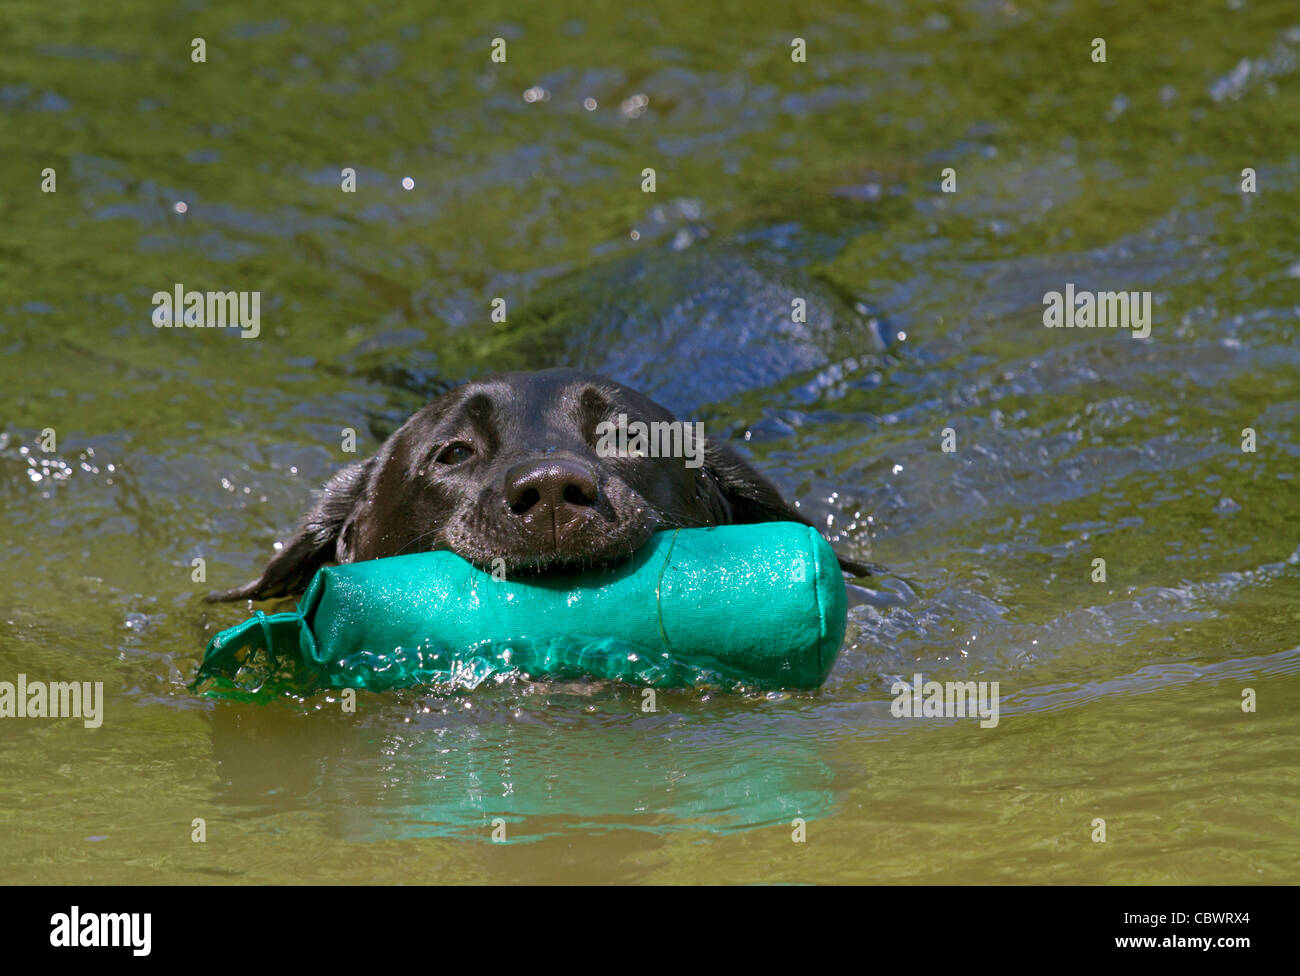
(1120, 700)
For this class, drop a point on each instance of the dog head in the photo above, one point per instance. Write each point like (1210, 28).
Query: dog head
(533, 473)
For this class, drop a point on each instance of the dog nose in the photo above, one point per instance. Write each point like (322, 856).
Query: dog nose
(536, 487)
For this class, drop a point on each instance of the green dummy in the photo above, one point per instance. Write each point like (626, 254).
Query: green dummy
(759, 606)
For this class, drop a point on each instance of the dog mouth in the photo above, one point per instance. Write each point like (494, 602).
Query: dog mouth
(561, 554)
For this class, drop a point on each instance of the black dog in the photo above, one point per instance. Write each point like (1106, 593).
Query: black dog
(508, 470)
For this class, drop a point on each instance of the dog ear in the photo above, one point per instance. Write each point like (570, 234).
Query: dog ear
(319, 539)
(747, 497)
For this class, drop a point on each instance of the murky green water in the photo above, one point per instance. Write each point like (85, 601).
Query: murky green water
(1120, 700)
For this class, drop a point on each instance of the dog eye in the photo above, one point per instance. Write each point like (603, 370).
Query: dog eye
(455, 453)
